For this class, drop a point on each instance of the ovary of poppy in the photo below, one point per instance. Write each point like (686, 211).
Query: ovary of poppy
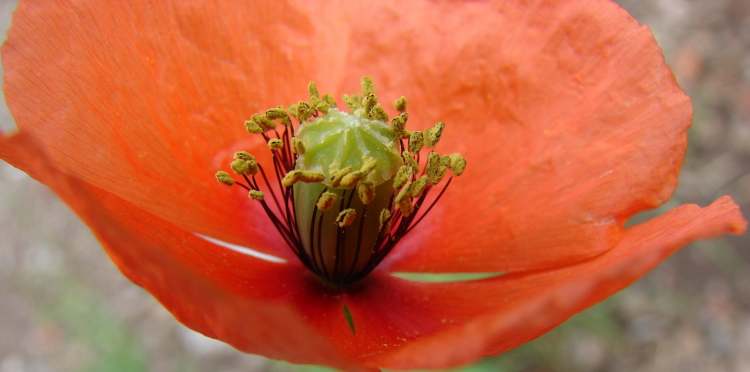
(568, 116)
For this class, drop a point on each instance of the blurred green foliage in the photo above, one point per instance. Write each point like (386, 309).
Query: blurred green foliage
(86, 320)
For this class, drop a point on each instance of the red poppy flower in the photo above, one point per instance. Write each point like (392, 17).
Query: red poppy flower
(565, 111)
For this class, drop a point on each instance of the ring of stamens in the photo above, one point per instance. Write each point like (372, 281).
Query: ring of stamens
(341, 222)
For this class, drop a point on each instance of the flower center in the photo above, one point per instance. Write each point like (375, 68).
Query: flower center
(348, 185)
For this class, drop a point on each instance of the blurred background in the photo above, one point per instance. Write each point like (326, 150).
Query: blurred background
(64, 306)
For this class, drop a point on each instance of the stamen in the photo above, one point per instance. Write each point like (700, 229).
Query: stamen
(432, 137)
(244, 167)
(278, 113)
(275, 144)
(366, 192)
(457, 164)
(405, 173)
(252, 127)
(326, 201)
(436, 168)
(385, 217)
(263, 122)
(417, 187)
(321, 158)
(416, 141)
(224, 178)
(400, 104)
(346, 217)
(297, 146)
(351, 179)
(255, 194)
(337, 175)
(398, 124)
(301, 176)
(244, 155)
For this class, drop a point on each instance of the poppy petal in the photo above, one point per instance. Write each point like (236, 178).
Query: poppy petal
(278, 311)
(526, 306)
(146, 99)
(569, 118)
(442, 325)
(221, 293)
(591, 122)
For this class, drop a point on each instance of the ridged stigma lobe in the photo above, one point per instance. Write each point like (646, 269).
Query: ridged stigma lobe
(338, 140)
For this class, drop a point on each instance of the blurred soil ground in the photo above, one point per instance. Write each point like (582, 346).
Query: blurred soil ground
(64, 307)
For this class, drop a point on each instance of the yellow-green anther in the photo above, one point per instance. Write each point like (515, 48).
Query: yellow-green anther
(435, 168)
(300, 110)
(409, 159)
(304, 111)
(326, 201)
(225, 178)
(311, 176)
(278, 113)
(417, 187)
(301, 176)
(366, 192)
(291, 178)
(314, 103)
(293, 110)
(432, 136)
(416, 141)
(368, 103)
(263, 122)
(377, 113)
(433, 164)
(275, 144)
(312, 90)
(401, 118)
(457, 164)
(244, 155)
(352, 102)
(405, 206)
(252, 127)
(327, 98)
(240, 166)
(403, 175)
(403, 192)
(368, 87)
(400, 104)
(253, 166)
(351, 179)
(322, 106)
(244, 167)
(385, 218)
(368, 165)
(346, 217)
(433, 160)
(298, 146)
(337, 174)
(398, 124)
(255, 194)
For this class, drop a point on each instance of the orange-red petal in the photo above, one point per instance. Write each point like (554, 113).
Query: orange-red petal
(146, 99)
(565, 110)
(441, 325)
(559, 157)
(567, 114)
(279, 311)
(218, 292)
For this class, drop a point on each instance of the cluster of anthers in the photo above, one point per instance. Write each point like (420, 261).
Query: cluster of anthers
(348, 185)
